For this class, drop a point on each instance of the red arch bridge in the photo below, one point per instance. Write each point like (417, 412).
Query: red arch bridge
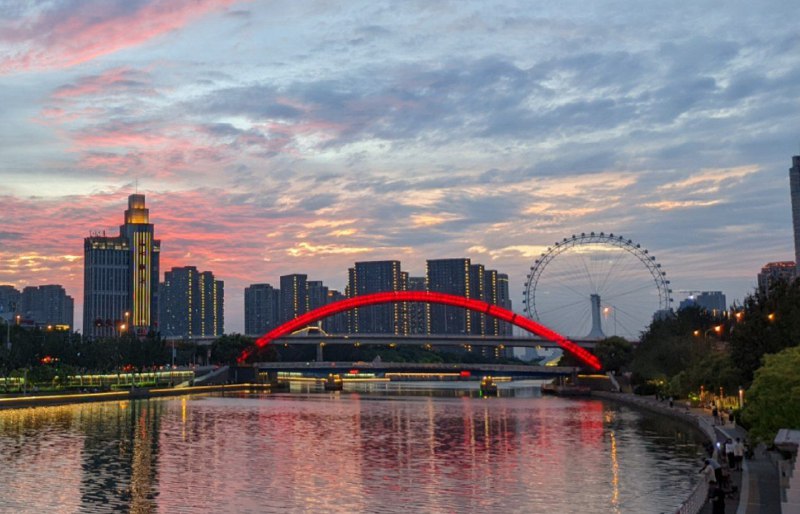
(583, 355)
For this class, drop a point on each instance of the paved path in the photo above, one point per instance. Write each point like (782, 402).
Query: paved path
(757, 482)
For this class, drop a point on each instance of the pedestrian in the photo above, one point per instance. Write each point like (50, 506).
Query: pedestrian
(670, 402)
(717, 497)
(715, 414)
(729, 453)
(715, 467)
(738, 453)
(731, 418)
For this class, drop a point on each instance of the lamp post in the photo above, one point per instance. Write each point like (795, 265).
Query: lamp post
(613, 311)
(716, 328)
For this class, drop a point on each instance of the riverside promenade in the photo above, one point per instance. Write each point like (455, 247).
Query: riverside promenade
(758, 482)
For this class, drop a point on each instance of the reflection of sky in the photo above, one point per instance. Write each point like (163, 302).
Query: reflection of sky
(310, 135)
(346, 453)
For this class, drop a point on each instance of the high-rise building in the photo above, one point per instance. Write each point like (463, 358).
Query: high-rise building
(262, 309)
(417, 312)
(336, 324)
(794, 189)
(192, 303)
(773, 272)
(377, 277)
(317, 294)
(47, 305)
(121, 276)
(503, 300)
(479, 322)
(9, 301)
(294, 296)
(711, 301)
(451, 276)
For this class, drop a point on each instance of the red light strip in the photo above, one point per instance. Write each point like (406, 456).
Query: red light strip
(325, 311)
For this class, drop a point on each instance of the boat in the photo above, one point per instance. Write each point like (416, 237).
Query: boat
(334, 382)
(488, 386)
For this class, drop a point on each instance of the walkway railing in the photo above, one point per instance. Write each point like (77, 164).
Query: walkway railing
(695, 502)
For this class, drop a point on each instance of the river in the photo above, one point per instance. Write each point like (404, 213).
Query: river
(382, 449)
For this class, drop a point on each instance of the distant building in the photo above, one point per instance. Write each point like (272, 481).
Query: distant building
(794, 190)
(262, 309)
(784, 271)
(9, 301)
(47, 306)
(317, 294)
(294, 296)
(336, 324)
(711, 301)
(417, 312)
(120, 279)
(480, 324)
(450, 276)
(377, 277)
(192, 304)
(503, 300)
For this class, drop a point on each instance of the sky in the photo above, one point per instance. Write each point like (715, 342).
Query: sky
(302, 136)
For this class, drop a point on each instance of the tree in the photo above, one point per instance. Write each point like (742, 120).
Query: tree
(615, 353)
(769, 324)
(227, 348)
(773, 401)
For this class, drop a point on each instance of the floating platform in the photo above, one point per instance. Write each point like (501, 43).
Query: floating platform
(566, 390)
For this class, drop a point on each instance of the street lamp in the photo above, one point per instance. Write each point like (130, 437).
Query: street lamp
(716, 328)
(771, 316)
(612, 310)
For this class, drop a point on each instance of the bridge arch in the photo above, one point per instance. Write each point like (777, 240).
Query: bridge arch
(325, 311)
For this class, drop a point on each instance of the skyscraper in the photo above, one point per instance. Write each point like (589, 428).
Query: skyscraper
(377, 277)
(294, 296)
(120, 281)
(47, 305)
(417, 312)
(192, 303)
(503, 300)
(317, 294)
(794, 188)
(451, 276)
(262, 309)
(336, 324)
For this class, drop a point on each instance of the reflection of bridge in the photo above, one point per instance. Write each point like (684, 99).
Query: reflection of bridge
(322, 369)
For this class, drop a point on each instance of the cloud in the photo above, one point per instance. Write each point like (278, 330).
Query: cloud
(74, 32)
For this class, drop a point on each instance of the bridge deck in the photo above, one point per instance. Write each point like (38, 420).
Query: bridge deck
(413, 367)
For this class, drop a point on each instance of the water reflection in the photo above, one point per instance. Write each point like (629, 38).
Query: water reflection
(370, 451)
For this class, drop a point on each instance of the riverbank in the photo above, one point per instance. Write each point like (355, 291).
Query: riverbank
(132, 394)
(757, 483)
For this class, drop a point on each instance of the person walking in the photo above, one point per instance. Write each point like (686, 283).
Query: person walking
(738, 453)
(715, 414)
(729, 453)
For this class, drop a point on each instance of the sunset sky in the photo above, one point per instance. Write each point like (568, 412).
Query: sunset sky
(297, 136)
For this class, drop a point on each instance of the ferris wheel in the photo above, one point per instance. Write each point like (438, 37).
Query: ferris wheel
(595, 285)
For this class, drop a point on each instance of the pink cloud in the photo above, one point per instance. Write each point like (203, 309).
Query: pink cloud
(71, 34)
(115, 79)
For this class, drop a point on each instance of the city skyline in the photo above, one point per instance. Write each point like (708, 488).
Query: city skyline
(311, 136)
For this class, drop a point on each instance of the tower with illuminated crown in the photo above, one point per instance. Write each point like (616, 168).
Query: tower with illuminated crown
(120, 281)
